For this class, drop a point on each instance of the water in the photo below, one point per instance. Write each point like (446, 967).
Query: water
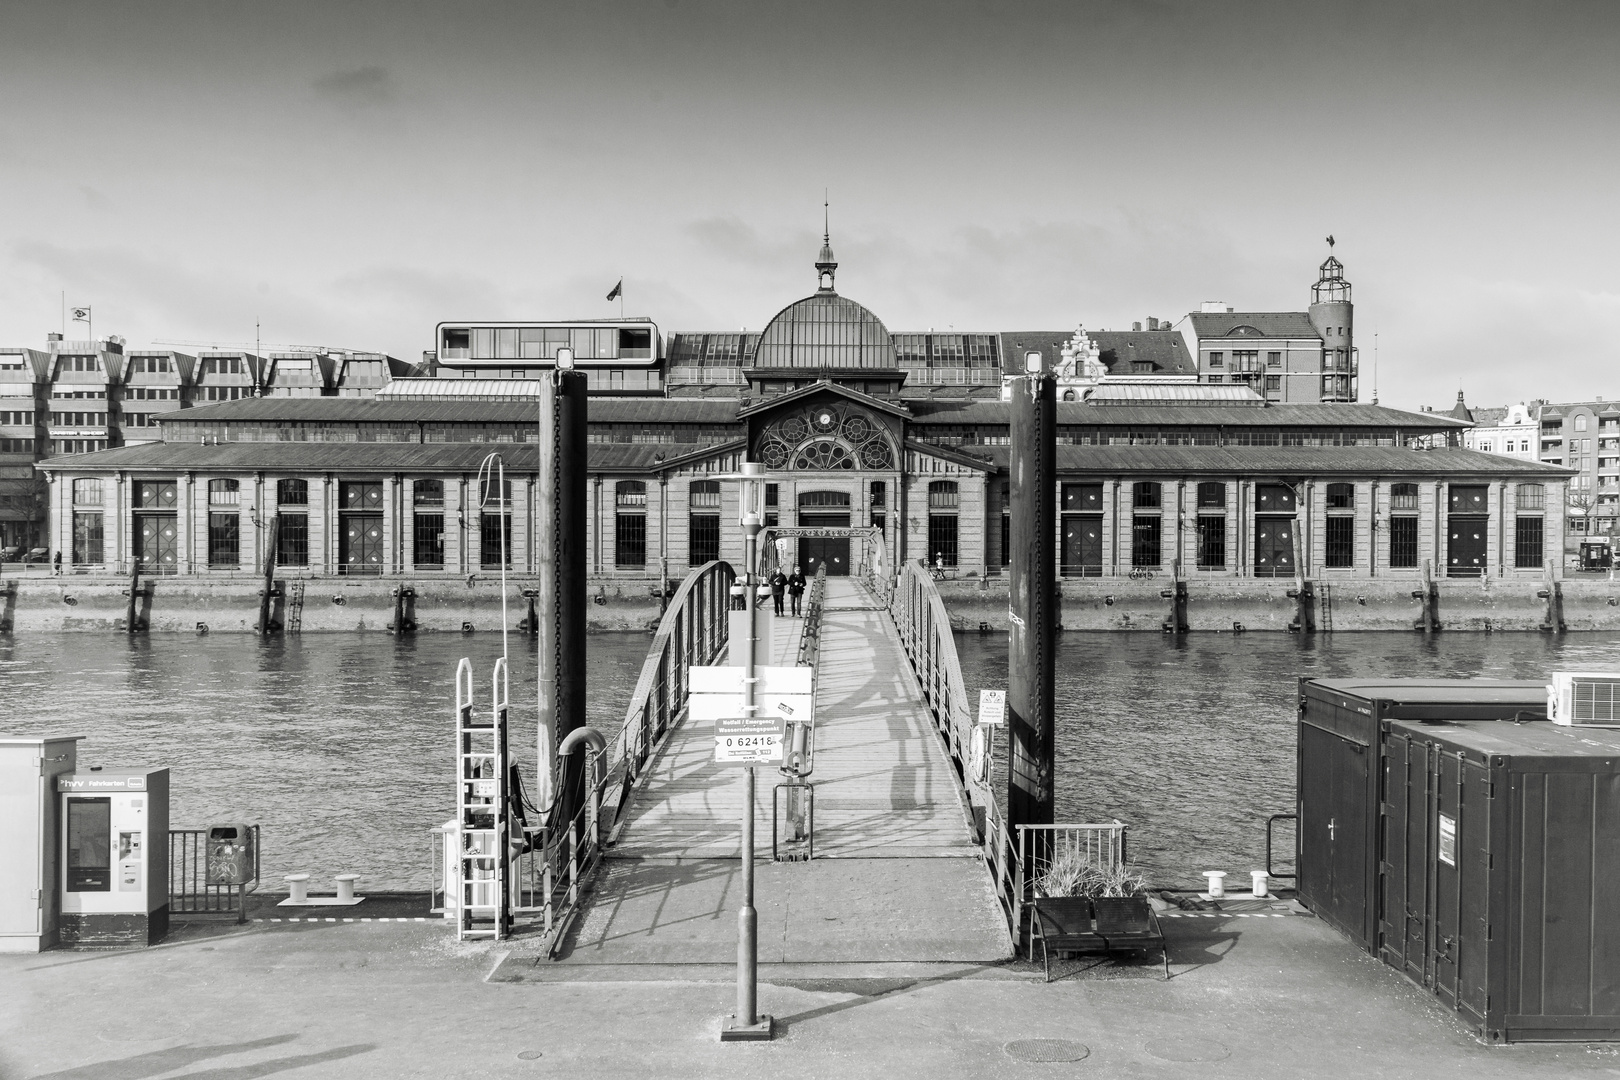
(1191, 742)
(339, 745)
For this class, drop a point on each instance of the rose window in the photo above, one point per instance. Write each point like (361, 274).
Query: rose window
(826, 438)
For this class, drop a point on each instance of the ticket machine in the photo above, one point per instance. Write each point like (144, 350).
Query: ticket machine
(115, 857)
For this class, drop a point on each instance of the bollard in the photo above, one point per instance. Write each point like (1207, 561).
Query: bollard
(345, 887)
(1217, 888)
(1259, 877)
(299, 886)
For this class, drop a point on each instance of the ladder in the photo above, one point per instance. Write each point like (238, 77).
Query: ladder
(1324, 605)
(295, 608)
(483, 897)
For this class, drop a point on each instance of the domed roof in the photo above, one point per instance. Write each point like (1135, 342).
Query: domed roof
(825, 331)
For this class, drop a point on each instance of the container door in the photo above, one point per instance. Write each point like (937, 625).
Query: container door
(1274, 547)
(1333, 878)
(1404, 873)
(1461, 883)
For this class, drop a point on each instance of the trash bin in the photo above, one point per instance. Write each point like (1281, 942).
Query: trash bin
(231, 856)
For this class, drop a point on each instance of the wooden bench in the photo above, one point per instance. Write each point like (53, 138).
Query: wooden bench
(1108, 924)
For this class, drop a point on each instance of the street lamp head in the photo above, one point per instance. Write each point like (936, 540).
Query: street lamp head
(565, 359)
(1034, 362)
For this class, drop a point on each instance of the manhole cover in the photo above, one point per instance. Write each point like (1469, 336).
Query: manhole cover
(1046, 1050)
(528, 1055)
(1188, 1050)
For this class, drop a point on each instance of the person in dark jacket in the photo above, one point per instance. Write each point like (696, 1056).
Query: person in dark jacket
(778, 585)
(795, 588)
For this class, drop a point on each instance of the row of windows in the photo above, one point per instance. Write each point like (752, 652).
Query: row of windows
(1275, 498)
(151, 393)
(1246, 359)
(77, 446)
(1082, 547)
(542, 343)
(151, 363)
(16, 416)
(16, 446)
(78, 419)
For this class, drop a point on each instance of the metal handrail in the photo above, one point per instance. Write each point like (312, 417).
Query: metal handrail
(924, 628)
(550, 878)
(810, 637)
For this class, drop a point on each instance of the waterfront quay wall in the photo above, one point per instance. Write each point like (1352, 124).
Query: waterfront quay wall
(1248, 604)
(38, 602)
(41, 602)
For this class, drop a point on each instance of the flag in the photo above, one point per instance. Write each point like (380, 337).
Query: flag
(617, 290)
(81, 314)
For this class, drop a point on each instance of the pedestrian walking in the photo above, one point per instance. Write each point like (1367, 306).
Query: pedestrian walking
(795, 588)
(779, 583)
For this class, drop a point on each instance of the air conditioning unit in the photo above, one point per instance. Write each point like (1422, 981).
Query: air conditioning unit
(1582, 699)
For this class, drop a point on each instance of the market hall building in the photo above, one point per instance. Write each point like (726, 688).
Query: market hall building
(1153, 469)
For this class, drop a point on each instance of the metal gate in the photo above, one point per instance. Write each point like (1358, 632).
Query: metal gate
(361, 548)
(1082, 554)
(1274, 547)
(157, 543)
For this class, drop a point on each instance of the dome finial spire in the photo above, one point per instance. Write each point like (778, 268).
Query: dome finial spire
(825, 263)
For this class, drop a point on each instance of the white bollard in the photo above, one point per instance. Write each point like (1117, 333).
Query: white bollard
(1259, 877)
(345, 886)
(1217, 887)
(299, 885)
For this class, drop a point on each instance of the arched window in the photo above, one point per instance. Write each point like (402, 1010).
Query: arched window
(1212, 495)
(1532, 497)
(87, 492)
(1580, 421)
(1145, 494)
(1403, 496)
(224, 492)
(296, 492)
(943, 495)
(1341, 496)
(630, 494)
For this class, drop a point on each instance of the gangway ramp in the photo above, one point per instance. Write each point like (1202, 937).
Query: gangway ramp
(896, 874)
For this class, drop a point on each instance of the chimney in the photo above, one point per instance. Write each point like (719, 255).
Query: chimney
(1136, 326)
(1214, 307)
(1153, 323)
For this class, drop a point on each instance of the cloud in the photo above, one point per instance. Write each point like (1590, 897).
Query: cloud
(360, 87)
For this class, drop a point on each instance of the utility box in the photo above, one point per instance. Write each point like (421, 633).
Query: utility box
(1501, 885)
(114, 837)
(1340, 771)
(28, 807)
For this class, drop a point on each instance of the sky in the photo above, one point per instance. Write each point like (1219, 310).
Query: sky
(351, 174)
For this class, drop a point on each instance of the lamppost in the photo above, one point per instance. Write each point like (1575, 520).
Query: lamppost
(746, 1025)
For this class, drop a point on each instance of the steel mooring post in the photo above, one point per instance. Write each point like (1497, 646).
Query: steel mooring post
(1033, 614)
(561, 601)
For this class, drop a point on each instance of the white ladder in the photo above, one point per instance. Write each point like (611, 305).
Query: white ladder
(483, 854)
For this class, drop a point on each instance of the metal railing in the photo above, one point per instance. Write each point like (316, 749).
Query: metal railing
(549, 879)
(810, 637)
(924, 628)
(189, 891)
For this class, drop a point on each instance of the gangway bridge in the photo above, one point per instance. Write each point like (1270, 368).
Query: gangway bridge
(912, 859)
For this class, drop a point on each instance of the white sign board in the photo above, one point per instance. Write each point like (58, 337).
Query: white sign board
(726, 679)
(782, 693)
(993, 707)
(747, 740)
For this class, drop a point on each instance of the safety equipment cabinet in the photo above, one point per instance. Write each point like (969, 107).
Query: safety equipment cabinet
(28, 894)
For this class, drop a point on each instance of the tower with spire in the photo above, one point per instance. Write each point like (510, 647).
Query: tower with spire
(826, 265)
(1333, 316)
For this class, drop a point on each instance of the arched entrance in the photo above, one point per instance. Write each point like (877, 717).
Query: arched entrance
(824, 510)
(829, 544)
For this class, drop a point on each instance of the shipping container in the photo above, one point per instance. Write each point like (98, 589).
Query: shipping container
(1339, 772)
(1501, 874)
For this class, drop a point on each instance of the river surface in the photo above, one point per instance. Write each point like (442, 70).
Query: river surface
(339, 745)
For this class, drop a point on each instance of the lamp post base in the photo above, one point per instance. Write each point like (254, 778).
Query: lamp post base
(731, 1031)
